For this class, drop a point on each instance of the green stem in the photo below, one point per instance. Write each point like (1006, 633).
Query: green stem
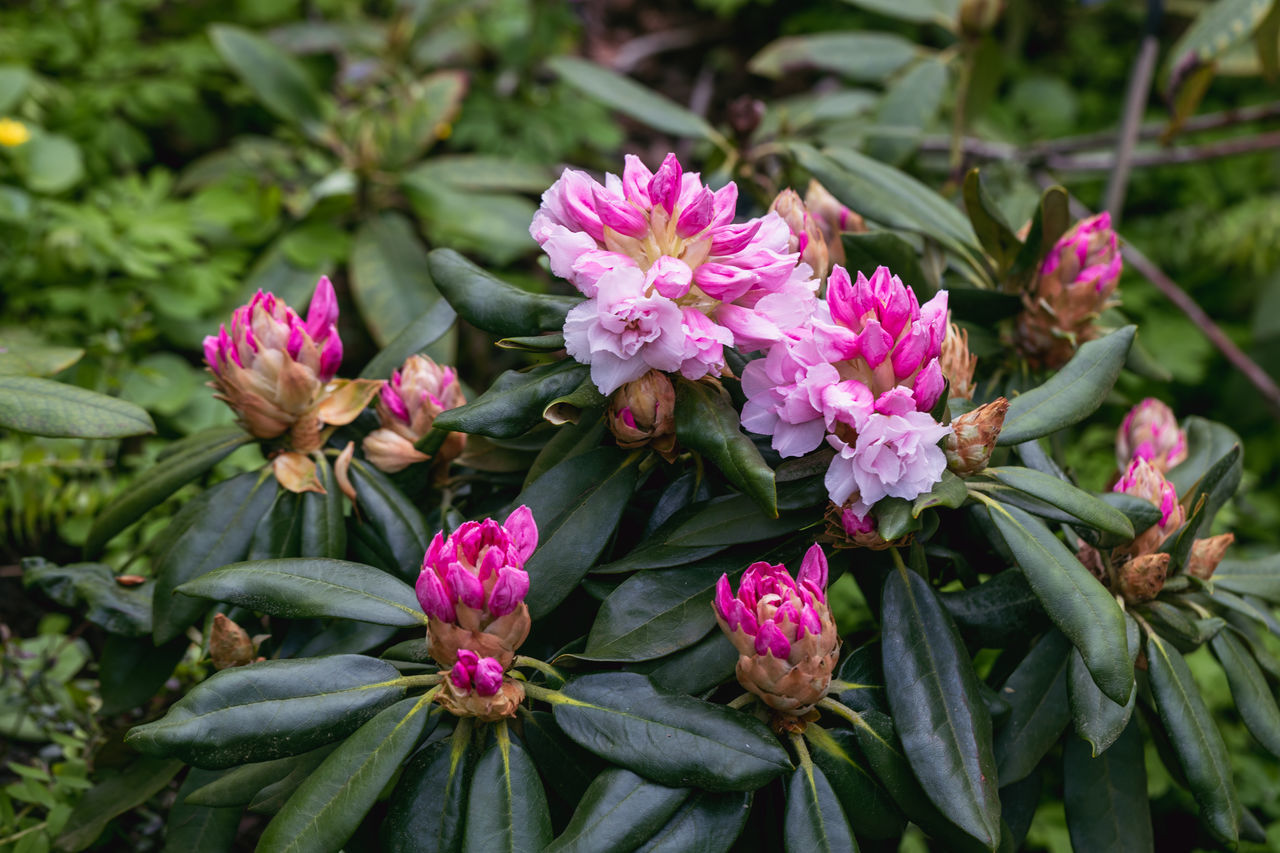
(541, 666)
(742, 701)
(554, 697)
(802, 752)
(842, 710)
(430, 679)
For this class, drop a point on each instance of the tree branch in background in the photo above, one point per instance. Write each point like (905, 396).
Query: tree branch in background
(1135, 105)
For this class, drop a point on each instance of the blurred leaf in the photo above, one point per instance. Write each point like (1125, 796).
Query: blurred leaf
(707, 423)
(910, 105)
(493, 225)
(52, 163)
(1106, 796)
(22, 359)
(864, 252)
(482, 173)
(1250, 577)
(1219, 27)
(417, 336)
(618, 811)
(941, 12)
(44, 407)
(989, 223)
(423, 112)
(1249, 689)
(194, 827)
(277, 79)
(493, 305)
(389, 278)
(864, 56)
(114, 796)
(14, 80)
(630, 98)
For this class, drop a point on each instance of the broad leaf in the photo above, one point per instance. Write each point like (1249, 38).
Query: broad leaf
(389, 278)
(194, 827)
(493, 305)
(507, 808)
(618, 811)
(276, 78)
(1250, 577)
(866, 251)
(708, 822)
(324, 529)
(432, 325)
(910, 104)
(113, 796)
(429, 807)
(270, 709)
(814, 819)
(1098, 719)
(393, 517)
(864, 56)
(993, 231)
(1106, 795)
(131, 671)
(93, 590)
(652, 614)
(44, 407)
(940, 12)
(697, 668)
(630, 98)
(515, 401)
(493, 225)
(620, 716)
(1222, 25)
(997, 609)
(1037, 695)
(707, 422)
(239, 786)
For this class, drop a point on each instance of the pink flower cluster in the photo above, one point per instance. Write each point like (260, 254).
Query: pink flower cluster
(475, 673)
(670, 279)
(479, 567)
(862, 373)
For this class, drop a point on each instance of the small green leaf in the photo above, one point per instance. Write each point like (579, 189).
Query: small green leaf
(630, 98)
(493, 305)
(276, 78)
(312, 587)
(44, 407)
(940, 717)
(814, 819)
(270, 709)
(389, 277)
(14, 80)
(989, 224)
(1037, 695)
(93, 590)
(1195, 739)
(895, 518)
(618, 811)
(1249, 689)
(864, 56)
(238, 786)
(950, 492)
(620, 716)
(1097, 719)
(515, 401)
(507, 808)
(53, 163)
(1106, 795)
(332, 801)
(324, 529)
(1091, 510)
(429, 807)
(707, 422)
(149, 489)
(1071, 394)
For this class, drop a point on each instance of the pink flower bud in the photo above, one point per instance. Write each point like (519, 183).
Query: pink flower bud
(784, 633)
(407, 408)
(973, 437)
(1144, 480)
(664, 188)
(1150, 431)
(619, 214)
(696, 215)
(642, 413)
(475, 687)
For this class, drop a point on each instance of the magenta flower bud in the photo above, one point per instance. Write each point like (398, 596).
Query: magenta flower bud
(670, 276)
(475, 687)
(664, 188)
(473, 585)
(1144, 480)
(322, 314)
(619, 214)
(407, 408)
(635, 181)
(783, 631)
(696, 215)
(1150, 431)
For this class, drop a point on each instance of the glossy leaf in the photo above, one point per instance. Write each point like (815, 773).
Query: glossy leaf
(1207, 442)
(1075, 601)
(708, 822)
(1195, 739)
(619, 716)
(619, 811)
(114, 796)
(394, 518)
(863, 56)
(993, 231)
(577, 505)
(867, 805)
(1091, 510)
(653, 614)
(194, 827)
(313, 587)
(566, 768)
(814, 819)
(329, 805)
(1253, 697)
(507, 808)
(270, 709)
(131, 671)
(1106, 795)
(1259, 577)
(324, 529)
(279, 81)
(44, 407)
(933, 691)
(515, 401)
(1037, 695)
(895, 518)
(1000, 607)
(707, 423)
(279, 532)
(493, 305)
(1098, 719)
(1071, 394)
(430, 326)
(272, 796)
(631, 99)
(697, 668)
(949, 492)
(389, 278)
(429, 807)
(211, 531)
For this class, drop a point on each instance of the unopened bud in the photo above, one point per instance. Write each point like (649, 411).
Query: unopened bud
(643, 413)
(1207, 553)
(833, 218)
(229, 644)
(1142, 578)
(1150, 431)
(807, 237)
(956, 362)
(973, 437)
(475, 687)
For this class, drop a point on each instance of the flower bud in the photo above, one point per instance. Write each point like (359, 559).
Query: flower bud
(1142, 578)
(643, 413)
(783, 631)
(1144, 480)
(1207, 553)
(229, 644)
(407, 407)
(475, 687)
(956, 362)
(973, 437)
(833, 219)
(807, 238)
(472, 586)
(847, 530)
(1074, 286)
(1150, 431)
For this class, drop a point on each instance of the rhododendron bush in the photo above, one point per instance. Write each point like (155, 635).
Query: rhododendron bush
(755, 552)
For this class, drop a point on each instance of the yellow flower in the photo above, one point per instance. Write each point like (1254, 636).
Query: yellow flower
(13, 133)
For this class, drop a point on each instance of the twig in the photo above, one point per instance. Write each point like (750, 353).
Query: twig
(641, 48)
(1135, 104)
(1170, 156)
(1156, 129)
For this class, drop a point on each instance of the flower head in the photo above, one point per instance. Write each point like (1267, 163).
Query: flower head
(1150, 431)
(475, 687)
(783, 631)
(473, 585)
(407, 407)
(1145, 480)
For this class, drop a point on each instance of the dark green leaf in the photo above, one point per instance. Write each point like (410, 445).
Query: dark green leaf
(707, 823)
(131, 671)
(275, 77)
(950, 492)
(866, 56)
(44, 407)
(862, 668)
(1249, 689)
(239, 786)
(329, 805)
(1250, 577)
(516, 400)
(989, 223)
(653, 614)
(92, 588)
(428, 809)
(933, 692)
(114, 796)
(707, 422)
(431, 326)
(940, 12)
(814, 819)
(565, 767)
(577, 505)
(1216, 487)
(493, 305)
(864, 252)
(1077, 603)
(1091, 510)
(868, 806)
(699, 667)
(619, 716)
(1207, 442)
(394, 518)
(1037, 695)
(895, 518)
(618, 811)
(1071, 394)
(1001, 607)
(303, 587)
(507, 808)
(215, 533)
(272, 797)
(493, 225)
(193, 827)
(534, 343)
(1099, 720)
(1195, 739)
(279, 532)
(1106, 795)
(324, 530)
(389, 278)
(630, 98)
(270, 709)
(1141, 512)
